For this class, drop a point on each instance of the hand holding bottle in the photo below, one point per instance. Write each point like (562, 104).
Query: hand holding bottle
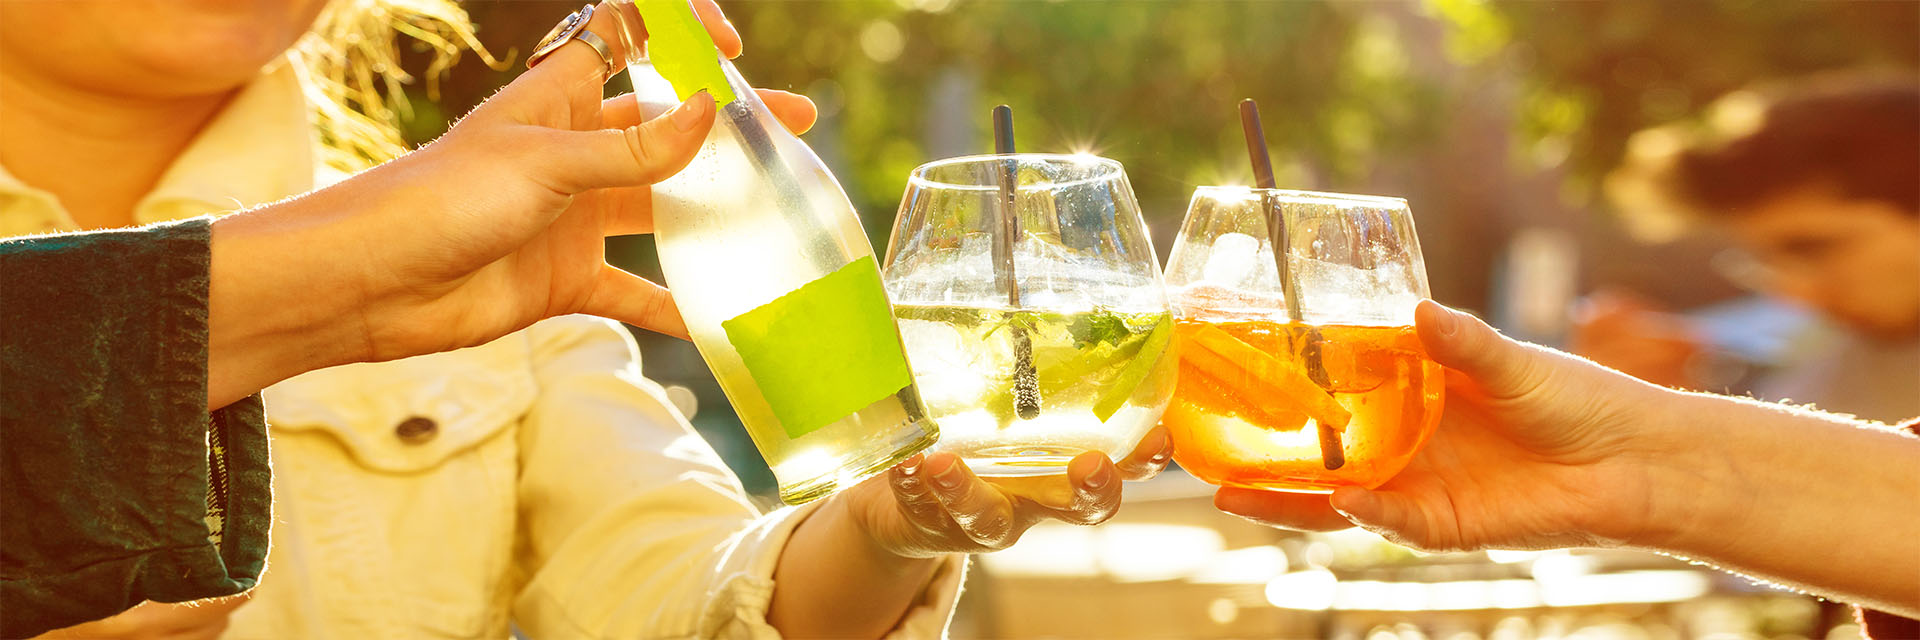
(499, 223)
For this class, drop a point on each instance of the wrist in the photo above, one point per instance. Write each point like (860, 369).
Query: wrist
(836, 579)
(280, 299)
(1683, 453)
(853, 515)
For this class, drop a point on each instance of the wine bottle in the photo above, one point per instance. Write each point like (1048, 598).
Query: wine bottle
(773, 272)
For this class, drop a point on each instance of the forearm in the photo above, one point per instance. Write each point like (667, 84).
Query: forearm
(279, 302)
(834, 581)
(1807, 499)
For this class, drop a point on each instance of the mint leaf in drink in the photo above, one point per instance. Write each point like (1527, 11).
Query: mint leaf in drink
(1100, 326)
(1027, 320)
(953, 316)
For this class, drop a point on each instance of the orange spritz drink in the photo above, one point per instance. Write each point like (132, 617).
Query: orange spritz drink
(1246, 413)
(1301, 373)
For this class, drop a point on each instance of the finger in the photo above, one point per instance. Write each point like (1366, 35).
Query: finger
(624, 211)
(1394, 516)
(1462, 342)
(1096, 490)
(628, 298)
(1297, 511)
(793, 110)
(1148, 457)
(725, 37)
(916, 500)
(578, 63)
(982, 513)
(645, 154)
(625, 110)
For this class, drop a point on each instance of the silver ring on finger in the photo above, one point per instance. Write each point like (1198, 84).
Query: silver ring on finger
(574, 28)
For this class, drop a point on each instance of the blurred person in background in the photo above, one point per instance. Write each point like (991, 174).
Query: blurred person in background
(536, 481)
(1817, 182)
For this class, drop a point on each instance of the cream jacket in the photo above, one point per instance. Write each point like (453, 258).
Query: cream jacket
(538, 480)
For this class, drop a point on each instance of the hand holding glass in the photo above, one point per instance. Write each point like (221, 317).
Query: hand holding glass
(1335, 393)
(1075, 293)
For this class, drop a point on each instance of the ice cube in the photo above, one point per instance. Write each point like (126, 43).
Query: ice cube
(944, 362)
(1342, 294)
(1233, 256)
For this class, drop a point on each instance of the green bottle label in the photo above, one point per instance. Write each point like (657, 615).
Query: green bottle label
(824, 351)
(682, 50)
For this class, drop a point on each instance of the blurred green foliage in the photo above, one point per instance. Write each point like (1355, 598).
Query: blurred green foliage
(1150, 83)
(1345, 86)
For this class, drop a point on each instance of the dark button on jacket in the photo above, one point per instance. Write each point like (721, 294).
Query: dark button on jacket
(416, 430)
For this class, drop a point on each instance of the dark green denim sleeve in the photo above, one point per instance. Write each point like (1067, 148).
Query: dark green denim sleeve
(118, 485)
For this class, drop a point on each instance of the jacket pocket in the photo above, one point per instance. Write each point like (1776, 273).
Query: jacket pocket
(396, 496)
(413, 414)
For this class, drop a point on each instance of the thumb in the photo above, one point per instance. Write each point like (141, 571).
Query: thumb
(639, 155)
(1394, 516)
(1461, 342)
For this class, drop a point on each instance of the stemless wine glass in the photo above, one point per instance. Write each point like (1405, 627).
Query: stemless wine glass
(1036, 337)
(1335, 391)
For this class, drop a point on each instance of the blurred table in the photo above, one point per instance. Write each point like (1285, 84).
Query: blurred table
(1171, 566)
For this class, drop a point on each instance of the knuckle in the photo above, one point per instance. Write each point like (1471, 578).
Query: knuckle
(991, 531)
(918, 507)
(925, 514)
(909, 489)
(656, 306)
(1099, 514)
(1005, 540)
(1092, 509)
(1144, 470)
(645, 159)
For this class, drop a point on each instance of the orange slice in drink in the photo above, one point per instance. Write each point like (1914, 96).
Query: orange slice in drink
(1229, 360)
(1212, 395)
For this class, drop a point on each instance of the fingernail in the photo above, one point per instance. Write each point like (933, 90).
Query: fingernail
(911, 465)
(945, 472)
(1349, 502)
(1088, 467)
(1100, 478)
(689, 113)
(1447, 321)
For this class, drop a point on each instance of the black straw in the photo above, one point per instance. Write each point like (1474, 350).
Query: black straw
(1256, 144)
(1332, 451)
(1026, 381)
(1009, 218)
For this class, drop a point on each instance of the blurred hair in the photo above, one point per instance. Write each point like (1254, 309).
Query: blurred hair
(349, 66)
(1855, 132)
